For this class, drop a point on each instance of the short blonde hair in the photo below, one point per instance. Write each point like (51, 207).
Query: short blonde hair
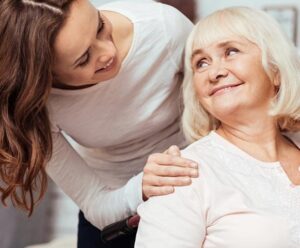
(278, 55)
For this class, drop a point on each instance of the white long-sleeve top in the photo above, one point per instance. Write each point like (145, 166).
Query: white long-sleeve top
(119, 122)
(237, 202)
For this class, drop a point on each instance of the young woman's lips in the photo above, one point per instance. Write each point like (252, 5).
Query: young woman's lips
(223, 87)
(109, 65)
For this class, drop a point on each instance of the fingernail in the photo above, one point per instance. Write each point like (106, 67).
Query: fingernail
(194, 165)
(170, 190)
(194, 173)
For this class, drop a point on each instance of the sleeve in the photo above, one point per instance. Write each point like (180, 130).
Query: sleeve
(177, 29)
(101, 206)
(177, 220)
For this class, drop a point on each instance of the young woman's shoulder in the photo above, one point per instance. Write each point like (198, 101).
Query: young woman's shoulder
(135, 8)
(153, 20)
(142, 10)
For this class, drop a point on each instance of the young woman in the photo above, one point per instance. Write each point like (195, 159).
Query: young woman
(241, 91)
(109, 79)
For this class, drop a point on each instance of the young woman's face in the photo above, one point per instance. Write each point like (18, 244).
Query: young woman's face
(229, 77)
(85, 52)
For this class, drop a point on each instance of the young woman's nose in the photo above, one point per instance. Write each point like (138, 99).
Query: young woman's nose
(105, 51)
(104, 58)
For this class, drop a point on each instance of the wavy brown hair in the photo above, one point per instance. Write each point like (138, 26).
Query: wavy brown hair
(28, 29)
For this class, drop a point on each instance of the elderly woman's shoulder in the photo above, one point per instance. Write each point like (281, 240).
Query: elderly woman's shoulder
(205, 151)
(202, 146)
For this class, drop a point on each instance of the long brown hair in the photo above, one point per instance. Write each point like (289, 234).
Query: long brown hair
(28, 29)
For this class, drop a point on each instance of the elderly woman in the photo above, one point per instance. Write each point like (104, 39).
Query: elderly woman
(241, 95)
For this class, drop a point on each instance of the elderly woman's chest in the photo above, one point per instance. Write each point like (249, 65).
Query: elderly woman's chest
(260, 209)
(249, 230)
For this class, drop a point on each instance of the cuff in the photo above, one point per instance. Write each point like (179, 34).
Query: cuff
(133, 192)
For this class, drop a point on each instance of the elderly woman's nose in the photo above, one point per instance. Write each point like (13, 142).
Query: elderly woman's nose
(217, 71)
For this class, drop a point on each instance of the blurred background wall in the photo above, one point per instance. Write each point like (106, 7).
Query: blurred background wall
(205, 7)
(56, 215)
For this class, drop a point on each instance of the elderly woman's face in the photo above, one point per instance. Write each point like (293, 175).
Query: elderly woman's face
(229, 77)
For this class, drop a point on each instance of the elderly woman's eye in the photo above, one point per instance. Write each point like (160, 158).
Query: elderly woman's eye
(231, 51)
(201, 63)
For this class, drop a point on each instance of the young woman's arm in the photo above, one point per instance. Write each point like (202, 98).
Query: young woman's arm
(100, 204)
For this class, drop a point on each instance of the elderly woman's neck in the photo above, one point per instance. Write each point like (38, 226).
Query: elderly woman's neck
(261, 140)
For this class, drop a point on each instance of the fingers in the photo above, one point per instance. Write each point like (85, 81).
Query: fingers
(165, 159)
(154, 185)
(164, 171)
(161, 179)
(173, 170)
(150, 191)
(166, 181)
(173, 150)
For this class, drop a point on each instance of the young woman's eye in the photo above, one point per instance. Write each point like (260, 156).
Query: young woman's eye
(86, 60)
(231, 51)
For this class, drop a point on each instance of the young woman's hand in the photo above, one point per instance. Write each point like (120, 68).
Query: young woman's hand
(165, 170)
